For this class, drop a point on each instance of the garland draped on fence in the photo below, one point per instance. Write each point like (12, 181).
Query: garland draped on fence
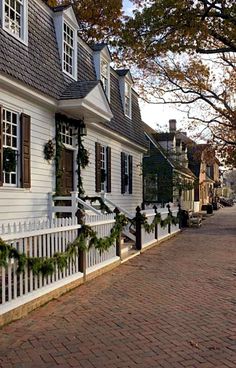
(149, 228)
(85, 240)
(46, 266)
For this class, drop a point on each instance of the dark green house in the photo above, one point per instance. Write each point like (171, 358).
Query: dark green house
(166, 175)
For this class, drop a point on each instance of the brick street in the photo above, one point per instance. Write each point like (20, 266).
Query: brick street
(173, 306)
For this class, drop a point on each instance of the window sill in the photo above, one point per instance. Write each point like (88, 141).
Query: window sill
(14, 189)
(24, 41)
(70, 75)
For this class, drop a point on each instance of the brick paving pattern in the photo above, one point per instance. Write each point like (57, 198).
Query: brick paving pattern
(173, 306)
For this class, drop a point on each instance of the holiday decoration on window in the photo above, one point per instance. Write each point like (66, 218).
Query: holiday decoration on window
(9, 160)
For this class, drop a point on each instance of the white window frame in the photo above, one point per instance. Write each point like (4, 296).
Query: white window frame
(126, 172)
(73, 74)
(16, 148)
(67, 135)
(23, 37)
(105, 78)
(103, 160)
(127, 99)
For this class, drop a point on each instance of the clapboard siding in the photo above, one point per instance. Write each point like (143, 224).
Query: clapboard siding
(22, 204)
(126, 201)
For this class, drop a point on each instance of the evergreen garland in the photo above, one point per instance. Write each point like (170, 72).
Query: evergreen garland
(47, 266)
(82, 162)
(59, 148)
(149, 228)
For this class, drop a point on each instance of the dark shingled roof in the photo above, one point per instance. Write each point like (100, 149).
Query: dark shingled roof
(78, 90)
(38, 66)
(164, 137)
(60, 8)
(122, 72)
(176, 165)
(98, 46)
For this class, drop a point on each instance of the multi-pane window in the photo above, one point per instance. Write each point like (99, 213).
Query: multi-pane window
(14, 16)
(103, 168)
(66, 133)
(126, 170)
(10, 146)
(151, 188)
(126, 173)
(105, 75)
(127, 99)
(68, 49)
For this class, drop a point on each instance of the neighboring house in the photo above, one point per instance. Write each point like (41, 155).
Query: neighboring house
(167, 177)
(205, 166)
(54, 87)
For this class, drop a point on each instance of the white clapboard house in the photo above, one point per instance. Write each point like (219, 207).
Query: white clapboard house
(53, 88)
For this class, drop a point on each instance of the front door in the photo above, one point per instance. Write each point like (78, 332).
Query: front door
(67, 168)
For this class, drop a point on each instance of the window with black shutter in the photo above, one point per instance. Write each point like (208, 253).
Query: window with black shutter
(126, 173)
(102, 168)
(14, 149)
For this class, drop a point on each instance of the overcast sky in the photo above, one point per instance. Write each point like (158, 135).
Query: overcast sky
(156, 114)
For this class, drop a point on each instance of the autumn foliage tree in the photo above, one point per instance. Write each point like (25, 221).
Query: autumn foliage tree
(185, 51)
(99, 20)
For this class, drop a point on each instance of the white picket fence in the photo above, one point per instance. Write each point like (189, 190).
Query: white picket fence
(36, 239)
(162, 232)
(102, 225)
(44, 239)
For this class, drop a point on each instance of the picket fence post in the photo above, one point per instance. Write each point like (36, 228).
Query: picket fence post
(156, 226)
(118, 239)
(82, 253)
(138, 229)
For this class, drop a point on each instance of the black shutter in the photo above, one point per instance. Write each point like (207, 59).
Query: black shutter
(98, 167)
(108, 169)
(122, 172)
(130, 174)
(25, 151)
(1, 147)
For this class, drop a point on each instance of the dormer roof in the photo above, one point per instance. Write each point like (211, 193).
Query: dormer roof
(60, 8)
(103, 48)
(68, 13)
(124, 73)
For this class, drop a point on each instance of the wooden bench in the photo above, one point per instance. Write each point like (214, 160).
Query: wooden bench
(194, 219)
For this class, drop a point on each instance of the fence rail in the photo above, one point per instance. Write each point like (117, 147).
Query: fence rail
(102, 225)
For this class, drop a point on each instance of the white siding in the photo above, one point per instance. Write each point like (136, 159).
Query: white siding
(22, 204)
(127, 201)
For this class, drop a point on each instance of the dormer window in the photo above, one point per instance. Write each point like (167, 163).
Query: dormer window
(66, 27)
(105, 75)
(68, 49)
(127, 100)
(14, 16)
(102, 60)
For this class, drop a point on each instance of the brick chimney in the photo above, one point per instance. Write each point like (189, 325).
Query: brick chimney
(172, 126)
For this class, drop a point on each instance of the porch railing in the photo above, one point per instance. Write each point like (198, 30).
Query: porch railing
(70, 209)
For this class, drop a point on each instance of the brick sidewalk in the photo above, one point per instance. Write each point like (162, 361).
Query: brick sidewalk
(173, 306)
